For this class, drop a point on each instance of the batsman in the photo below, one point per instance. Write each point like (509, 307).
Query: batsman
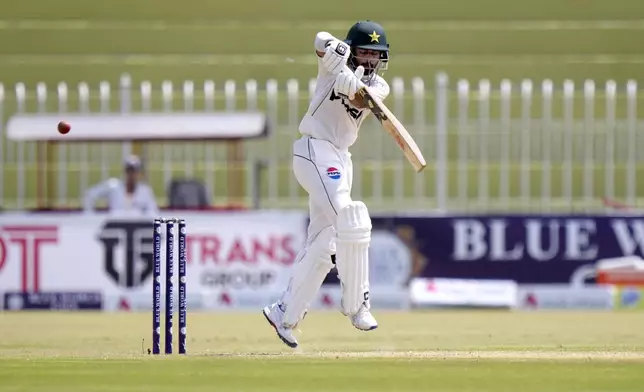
(340, 228)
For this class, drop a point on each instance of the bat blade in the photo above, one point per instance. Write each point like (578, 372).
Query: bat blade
(395, 129)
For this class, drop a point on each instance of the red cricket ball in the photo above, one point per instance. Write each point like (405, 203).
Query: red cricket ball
(64, 127)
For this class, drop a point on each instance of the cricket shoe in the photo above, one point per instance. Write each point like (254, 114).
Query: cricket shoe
(274, 315)
(364, 320)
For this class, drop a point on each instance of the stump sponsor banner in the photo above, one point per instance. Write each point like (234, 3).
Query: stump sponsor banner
(564, 296)
(53, 301)
(380, 297)
(236, 251)
(463, 293)
(523, 248)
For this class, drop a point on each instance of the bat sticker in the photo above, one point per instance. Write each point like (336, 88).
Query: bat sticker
(375, 109)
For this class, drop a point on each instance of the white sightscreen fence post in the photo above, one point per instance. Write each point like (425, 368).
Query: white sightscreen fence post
(611, 134)
(546, 145)
(190, 152)
(526, 138)
(463, 91)
(377, 165)
(230, 98)
(483, 139)
(631, 160)
(188, 96)
(41, 97)
(273, 166)
(357, 179)
(441, 141)
(152, 155)
(568, 103)
(504, 156)
(230, 95)
(420, 134)
(589, 140)
(293, 96)
(83, 161)
(126, 107)
(146, 96)
(209, 95)
(168, 156)
(61, 168)
(31, 147)
(251, 168)
(399, 164)
(21, 93)
(251, 95)
(21, 97)
(209, 106)
(104, 94)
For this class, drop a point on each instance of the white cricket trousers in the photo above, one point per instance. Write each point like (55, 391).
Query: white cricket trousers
(326, 173)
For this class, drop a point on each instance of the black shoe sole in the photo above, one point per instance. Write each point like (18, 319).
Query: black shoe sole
(365, 330)
(286, 342)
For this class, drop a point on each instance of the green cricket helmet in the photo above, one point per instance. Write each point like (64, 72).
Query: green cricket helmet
(371, 36)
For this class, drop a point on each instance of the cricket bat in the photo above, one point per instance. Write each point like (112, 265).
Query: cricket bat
(394, 128)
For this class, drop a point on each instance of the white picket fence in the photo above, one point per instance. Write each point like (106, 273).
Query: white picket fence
(512, 146)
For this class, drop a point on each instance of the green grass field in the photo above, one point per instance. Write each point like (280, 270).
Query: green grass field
(411, 351)
(75, 40)
(198, 40)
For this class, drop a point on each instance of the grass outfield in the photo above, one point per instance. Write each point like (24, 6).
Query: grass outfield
(72, 40)
(433, 351)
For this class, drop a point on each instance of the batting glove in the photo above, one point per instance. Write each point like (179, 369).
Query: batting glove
(348, 83)
(335, 57)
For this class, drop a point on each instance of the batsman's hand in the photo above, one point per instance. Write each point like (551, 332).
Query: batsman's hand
(335, 57)
(348, 83)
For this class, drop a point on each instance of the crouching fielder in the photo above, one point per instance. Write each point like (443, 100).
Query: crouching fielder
(322, 165)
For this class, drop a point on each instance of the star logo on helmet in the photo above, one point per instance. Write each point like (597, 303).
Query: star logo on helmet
(374, 37)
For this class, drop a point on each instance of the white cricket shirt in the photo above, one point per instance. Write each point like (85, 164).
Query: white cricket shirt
(141, 202)
(332, 118)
